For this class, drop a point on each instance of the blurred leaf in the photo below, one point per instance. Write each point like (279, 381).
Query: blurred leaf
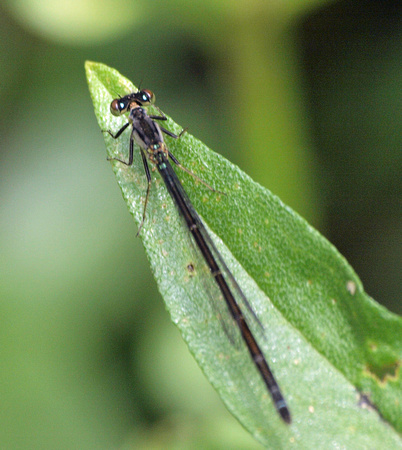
(334, 351)
(79, 23)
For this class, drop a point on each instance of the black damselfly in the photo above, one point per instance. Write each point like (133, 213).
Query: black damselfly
(148, 134)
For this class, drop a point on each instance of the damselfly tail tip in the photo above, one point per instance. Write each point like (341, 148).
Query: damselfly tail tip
(285, 414)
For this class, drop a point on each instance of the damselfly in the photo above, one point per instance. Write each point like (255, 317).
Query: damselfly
(148, 134)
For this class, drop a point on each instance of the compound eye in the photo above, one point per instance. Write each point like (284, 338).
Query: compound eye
(115, 107)
(118, 107)
(149, 95)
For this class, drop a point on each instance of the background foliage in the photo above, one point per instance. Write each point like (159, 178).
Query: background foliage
(306, 99)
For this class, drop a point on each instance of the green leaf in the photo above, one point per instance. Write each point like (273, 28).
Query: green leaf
(334, 351)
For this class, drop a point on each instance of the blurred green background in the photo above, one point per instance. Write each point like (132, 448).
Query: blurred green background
(305, 96)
